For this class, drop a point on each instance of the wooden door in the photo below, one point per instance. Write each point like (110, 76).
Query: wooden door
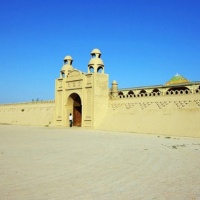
(77, 116)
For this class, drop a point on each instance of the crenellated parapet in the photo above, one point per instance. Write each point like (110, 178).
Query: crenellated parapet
(156, 91)
(28, 103)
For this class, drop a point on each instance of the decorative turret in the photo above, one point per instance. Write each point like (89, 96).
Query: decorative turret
(96, 64)
(67, 67)
(114, 89)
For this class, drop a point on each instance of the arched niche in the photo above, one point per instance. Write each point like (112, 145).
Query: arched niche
(74, 106)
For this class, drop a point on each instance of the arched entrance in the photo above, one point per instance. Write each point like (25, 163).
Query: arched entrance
(74, 106)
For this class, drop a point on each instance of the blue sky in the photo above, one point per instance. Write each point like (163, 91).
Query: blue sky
(143, 42)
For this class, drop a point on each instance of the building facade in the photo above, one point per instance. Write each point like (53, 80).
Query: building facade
(84, 95)
(172, 108)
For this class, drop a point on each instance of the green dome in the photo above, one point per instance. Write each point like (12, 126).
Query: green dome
(177, 79)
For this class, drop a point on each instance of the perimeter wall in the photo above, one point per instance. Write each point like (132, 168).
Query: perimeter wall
(32, 113)
(173, 115)
(177, 115)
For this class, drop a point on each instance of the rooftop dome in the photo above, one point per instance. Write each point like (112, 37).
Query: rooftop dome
(67, 58)
(177, 79)
(95, 51)
(66, 67)
(97, 61)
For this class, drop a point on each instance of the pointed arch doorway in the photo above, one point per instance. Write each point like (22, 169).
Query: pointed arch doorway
(74, 106)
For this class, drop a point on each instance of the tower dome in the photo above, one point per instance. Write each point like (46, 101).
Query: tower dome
(96, 51)
(96, 64)
(67, 67)
(68, 58)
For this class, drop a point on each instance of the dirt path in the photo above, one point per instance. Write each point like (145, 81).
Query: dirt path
(52, 163)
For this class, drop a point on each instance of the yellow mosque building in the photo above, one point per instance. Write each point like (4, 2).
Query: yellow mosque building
(169, 109)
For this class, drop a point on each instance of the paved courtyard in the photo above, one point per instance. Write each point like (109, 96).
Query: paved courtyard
(67, 164)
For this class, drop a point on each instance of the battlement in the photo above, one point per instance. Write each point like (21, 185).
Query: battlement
(28, 103)
(158, 90)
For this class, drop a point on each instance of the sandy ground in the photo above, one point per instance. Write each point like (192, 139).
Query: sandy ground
(57, 163)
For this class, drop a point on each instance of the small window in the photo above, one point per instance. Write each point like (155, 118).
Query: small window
(91, 70)
(100, 70)
(121, 94)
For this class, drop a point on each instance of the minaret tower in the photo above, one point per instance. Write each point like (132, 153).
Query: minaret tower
(114, 89)
(97, 90)
(67, 67)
